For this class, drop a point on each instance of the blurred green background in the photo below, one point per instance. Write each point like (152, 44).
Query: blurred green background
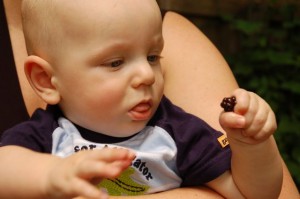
(261, 42)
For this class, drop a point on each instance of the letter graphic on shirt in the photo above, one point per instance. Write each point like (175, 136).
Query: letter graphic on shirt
(223, 141)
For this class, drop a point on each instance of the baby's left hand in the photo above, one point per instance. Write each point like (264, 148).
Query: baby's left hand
(252, 120)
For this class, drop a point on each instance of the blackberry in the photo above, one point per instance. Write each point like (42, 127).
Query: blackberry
(228, 103)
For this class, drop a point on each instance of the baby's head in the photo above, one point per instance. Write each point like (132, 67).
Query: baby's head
(99, 60)
(52, 25)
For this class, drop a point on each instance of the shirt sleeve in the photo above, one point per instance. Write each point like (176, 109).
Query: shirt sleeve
(34, 134)
(201, 156)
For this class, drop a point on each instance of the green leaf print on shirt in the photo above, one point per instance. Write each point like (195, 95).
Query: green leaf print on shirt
(123, 185)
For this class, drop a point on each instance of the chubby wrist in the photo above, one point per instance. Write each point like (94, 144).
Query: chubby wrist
(47, 188)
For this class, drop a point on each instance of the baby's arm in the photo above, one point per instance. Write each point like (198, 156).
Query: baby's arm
(54, 177)
(256, 164)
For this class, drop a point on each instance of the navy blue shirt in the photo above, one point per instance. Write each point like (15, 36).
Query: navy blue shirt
(174, 149)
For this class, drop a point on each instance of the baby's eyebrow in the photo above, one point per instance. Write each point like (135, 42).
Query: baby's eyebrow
(106, 50)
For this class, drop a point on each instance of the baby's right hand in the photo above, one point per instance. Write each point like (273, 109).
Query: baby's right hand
(72, 176)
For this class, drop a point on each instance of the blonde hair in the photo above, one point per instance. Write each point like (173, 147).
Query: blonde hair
(38, 26)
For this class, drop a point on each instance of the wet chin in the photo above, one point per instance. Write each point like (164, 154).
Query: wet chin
(130, 130)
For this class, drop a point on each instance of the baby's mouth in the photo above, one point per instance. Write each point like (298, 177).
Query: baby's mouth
(141, 112)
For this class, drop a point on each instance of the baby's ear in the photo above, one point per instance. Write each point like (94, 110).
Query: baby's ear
(39, 74)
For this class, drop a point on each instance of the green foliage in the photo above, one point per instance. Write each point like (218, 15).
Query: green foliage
(267, 62)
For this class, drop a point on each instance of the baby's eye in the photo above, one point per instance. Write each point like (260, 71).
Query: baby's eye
(114, 64)
(153, 58)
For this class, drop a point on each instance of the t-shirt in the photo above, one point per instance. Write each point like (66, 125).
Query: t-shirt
(175, 149)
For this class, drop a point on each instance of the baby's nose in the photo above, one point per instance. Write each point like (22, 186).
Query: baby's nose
(144, 76)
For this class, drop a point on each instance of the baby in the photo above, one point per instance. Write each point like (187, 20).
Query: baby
(96, 63)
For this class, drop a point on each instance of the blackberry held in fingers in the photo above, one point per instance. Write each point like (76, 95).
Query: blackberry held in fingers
(228, 103)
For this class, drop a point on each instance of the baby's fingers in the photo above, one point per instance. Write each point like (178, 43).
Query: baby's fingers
(252, 121)
(247, 103)
(260, 119)
(113, 154)
(105, 163)
(231, 120)
(247, 106)
(92, 169)
(268, 128)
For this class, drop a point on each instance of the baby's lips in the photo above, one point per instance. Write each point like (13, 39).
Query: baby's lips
(141, 112)
(142, 107)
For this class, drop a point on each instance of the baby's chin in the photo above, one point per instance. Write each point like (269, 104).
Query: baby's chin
(124, 131)
(128, 132)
